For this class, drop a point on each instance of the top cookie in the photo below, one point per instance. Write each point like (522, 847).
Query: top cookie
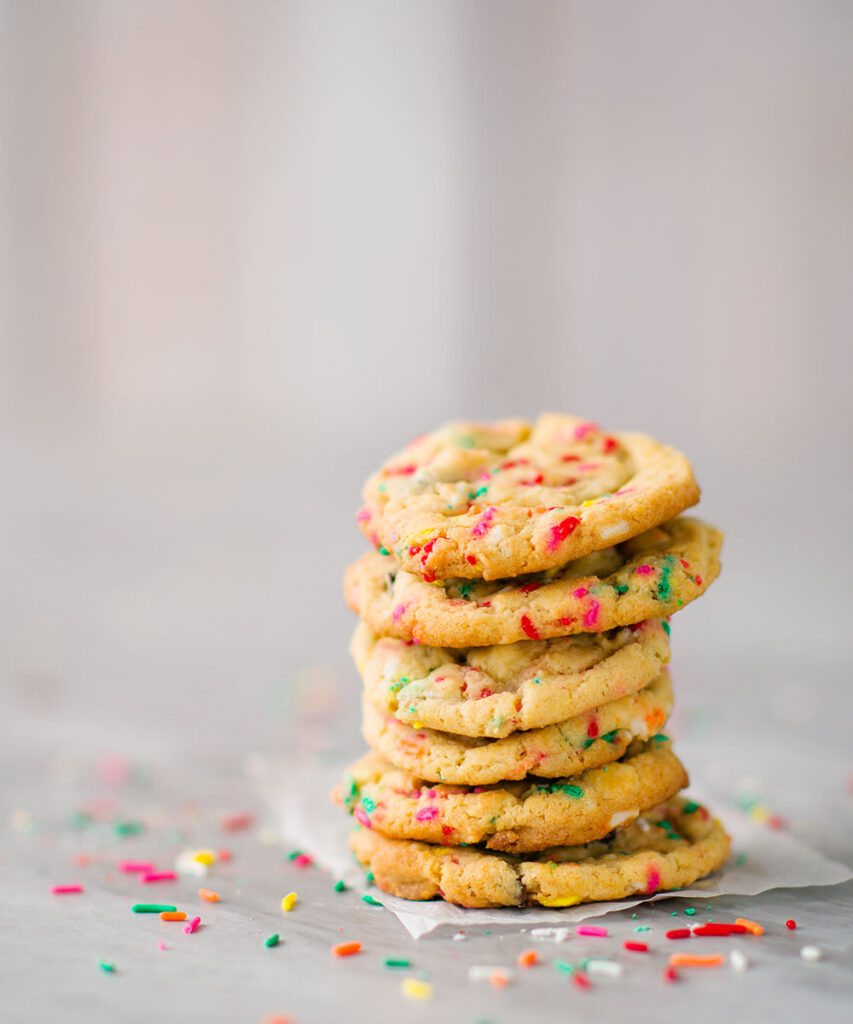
(503, 499)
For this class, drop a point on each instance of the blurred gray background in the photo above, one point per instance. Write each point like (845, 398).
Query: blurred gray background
(251, 248)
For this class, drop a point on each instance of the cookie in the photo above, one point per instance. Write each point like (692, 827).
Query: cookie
(489, 501)
(512, 816)
(566, 748)
(650, 576)
(668, 848)
(493, 691)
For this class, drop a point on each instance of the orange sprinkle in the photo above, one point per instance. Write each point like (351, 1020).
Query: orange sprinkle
(499, 979)
(172, 915)
(209, 895)
(687, 960)
(528, 958)
(750, 926)
(346, 948)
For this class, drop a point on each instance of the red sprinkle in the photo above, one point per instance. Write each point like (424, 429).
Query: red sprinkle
(792, 924)
(580, 980)
(529, 628)
(561, 530)
(719, 929)
(679, 933)
(670, 974)
(470, 559)
(302, 860)
(636, 947)
(236, 822)
(62, 890)
(159, 876)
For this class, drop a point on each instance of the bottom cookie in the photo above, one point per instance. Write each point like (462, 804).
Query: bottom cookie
(666, 849)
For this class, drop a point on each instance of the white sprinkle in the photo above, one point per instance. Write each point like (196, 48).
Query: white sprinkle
(610, 968)
(460, 937)
(620, 817)
(811, 953)
(615, 530)
(738, 961)
(482, 972)
(186, 864)
(549, 934)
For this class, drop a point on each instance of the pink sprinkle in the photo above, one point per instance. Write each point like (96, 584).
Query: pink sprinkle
(588, 929)
(590, 619)
(583, 429)
(398, 612)
(133, 866)
(360, 816)
(162, 945)
(483, 522)
(363, 516)
(426, 814)
(652, 878)
(191, 927)
(303, 860)
(580, 592)
(644, 570)
(236, 822)
(159, 876)
(60, 890)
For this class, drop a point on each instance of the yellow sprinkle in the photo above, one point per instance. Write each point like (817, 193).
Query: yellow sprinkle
(204, 857)
(759, 813)
(587, 503)
(288, 901)
(414, 989)
(561, 901)
(417, 725)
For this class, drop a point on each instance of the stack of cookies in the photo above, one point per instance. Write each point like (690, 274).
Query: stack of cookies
(513, 646)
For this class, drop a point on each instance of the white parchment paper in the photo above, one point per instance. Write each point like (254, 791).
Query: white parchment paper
(761, 858)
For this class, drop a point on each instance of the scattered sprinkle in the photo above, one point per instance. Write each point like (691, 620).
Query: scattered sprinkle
(346, 948)
(339, 886)
(688, 960)
(302, 860)
(209, 895)
(792, 924)
(738, 961)
(159, 876)
(236, 822)
(669, 975)
(370, 900)
(273, 940)
(64, 890)
(636, 947)
(580, 980)
(811, 953)
(288, 901)
(460, 937)
(528, 958)
(191, 927)
(152, 908)
(602, 966)
(588, 929)
(750, 926)
(390, 962)
(413, 988)
(128, 828)
(678, 933)
(136, 866)
(549, 934)
(172, 915)
(107, 968)
(162, 945)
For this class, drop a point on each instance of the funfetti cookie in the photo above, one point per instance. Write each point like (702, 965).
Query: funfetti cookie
(504, 499)
(667, 849)
(493, 691)
(650, 576)
(565, 748)
(512, 816)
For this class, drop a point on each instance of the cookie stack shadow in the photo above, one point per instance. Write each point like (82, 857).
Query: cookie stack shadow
(513, 644)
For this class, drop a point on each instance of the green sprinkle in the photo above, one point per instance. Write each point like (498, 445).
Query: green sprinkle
(665, 582)
(569, 790)
(370, 877)
(740, 859)
(643, 928)
(666, 628)
(370, 901)
(79, 819)
(368, 804)
(609, 737)
(660, 737)
(634, 916)
(691, 808)
(152, 908)
(128, 828)
(107, 968)
(690, 911)
(588, 742)
(353, 789)
(563, 968)
(389, 962)
(271, 941)
(383, 550)
(339, 886)
(620, 588)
